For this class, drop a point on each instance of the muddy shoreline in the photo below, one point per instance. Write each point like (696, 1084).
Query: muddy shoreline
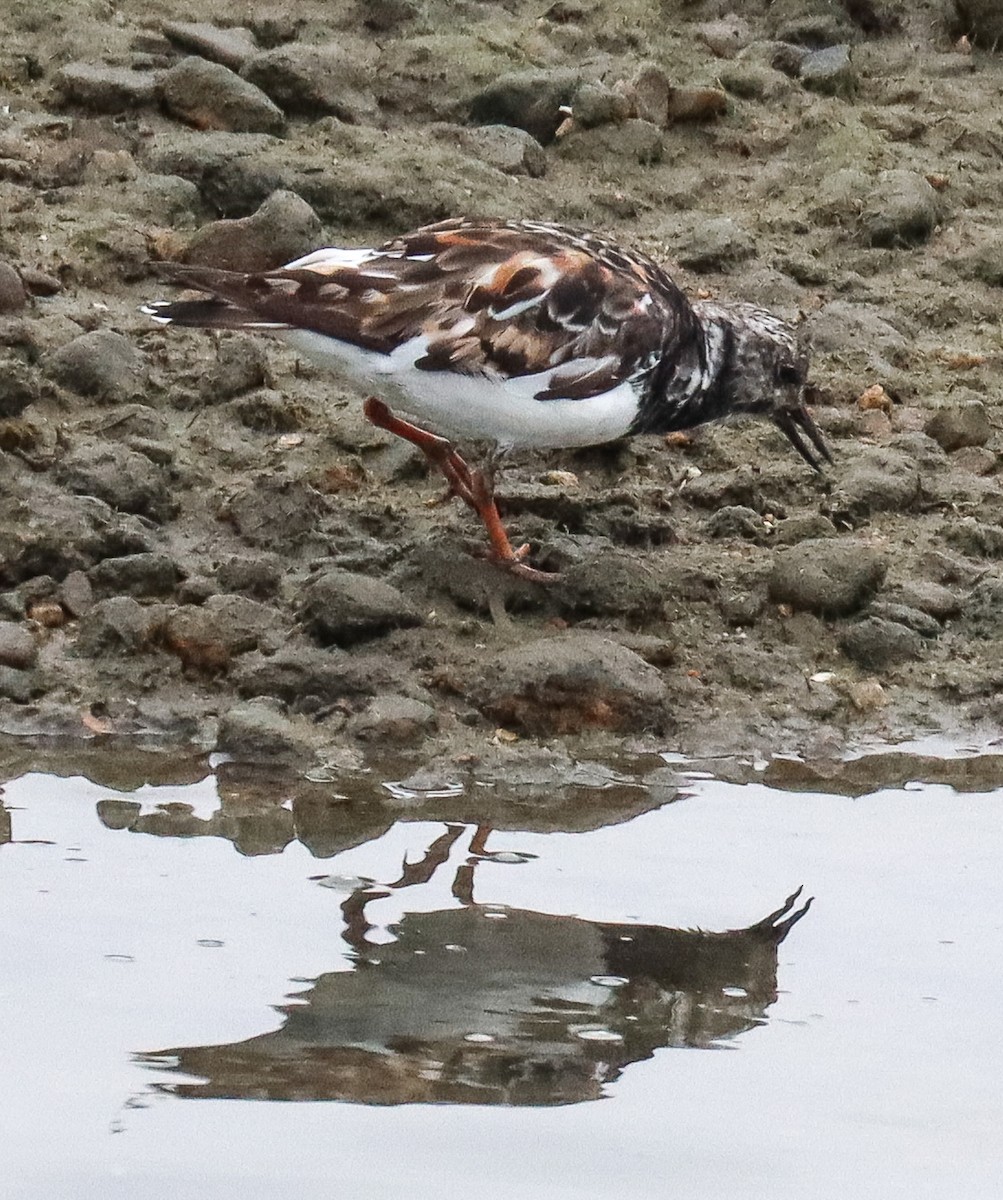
(202, 541)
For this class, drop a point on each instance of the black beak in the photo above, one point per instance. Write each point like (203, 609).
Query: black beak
(803, 434)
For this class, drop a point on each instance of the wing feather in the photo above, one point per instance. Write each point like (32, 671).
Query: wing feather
(488, 298)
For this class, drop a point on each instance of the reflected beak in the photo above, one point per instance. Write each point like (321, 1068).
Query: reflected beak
(803, 434)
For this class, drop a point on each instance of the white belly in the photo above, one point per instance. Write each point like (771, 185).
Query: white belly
(473, 406)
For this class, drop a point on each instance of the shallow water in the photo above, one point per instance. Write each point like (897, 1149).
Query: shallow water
(232, 987)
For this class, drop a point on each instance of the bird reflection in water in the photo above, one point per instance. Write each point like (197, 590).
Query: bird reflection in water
(487, 1004)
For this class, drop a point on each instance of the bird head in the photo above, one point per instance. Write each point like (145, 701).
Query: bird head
(763, 369)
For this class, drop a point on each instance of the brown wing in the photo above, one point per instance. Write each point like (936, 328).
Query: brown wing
(491, 298)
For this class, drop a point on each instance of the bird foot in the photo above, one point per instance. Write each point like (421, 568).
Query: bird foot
(515, 563)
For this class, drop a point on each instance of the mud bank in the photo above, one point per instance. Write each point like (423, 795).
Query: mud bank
(201, 540)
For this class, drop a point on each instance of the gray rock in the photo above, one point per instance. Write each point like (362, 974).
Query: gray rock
(830, 577)
(308, 677)
(210, 96)
(529, 99)
(503, 147)
(105, 89)
(392, 719)
(231, 46)
(103, 364)
(135, 575)
(118, 626)
(255, 731)
(876, 644)
(985, 262)
(957, 425)
(20, 686)
(933, 598)
(387, 15)
(829, 71)
(597, 104)
(881, 480)
(635, 140)
(315, 81)
(982, 614)
(18, 385)
(901, 211)
(241, 364)
(18, 648)
(229, 625)
(737, 521)
(570, 684)
(800, 528)
(715, 244)
(12, 294)
(122, 478)
(978, 539)
(76, 594)
(345, 608)
(275, 512)
(840, 327)
(903, 614)
(258, 576)
(284, 227)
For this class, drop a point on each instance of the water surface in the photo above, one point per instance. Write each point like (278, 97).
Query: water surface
(229, 987)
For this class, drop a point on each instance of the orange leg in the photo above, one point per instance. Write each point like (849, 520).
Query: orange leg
(472, 486)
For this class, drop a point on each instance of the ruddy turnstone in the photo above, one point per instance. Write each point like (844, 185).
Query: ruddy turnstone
(520, 333)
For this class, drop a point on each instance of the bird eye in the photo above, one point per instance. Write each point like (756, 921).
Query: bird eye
(787, 373)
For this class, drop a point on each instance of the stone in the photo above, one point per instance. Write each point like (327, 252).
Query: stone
(276, 512)
(530, 99)
(117, 626)
(875, 643)
(315, 81)
(124, 479)
(240, 366)
(256, 576)
(18, 648)
(569, 684)
(881, 479)
(829, 71)
(232, 46)
(284, 227)
(105, 89)
(345, 608)
(933, 598)
(985, 262)
(103, 364)
(832, 577)
(715, 244)
(12, 294)
(955, 425)
(211, 96)
(18, 385)
(903, 614)
(386, 15)
(148, 574)
(222, 627)
(392, 719)
(648, 92)
(20, 686)
(76, 594)
(597, 104)
(902, 210)
(635, 140)
(256, 731)
(982, 614)
(504, 147)
(695, 104)
(307, 675)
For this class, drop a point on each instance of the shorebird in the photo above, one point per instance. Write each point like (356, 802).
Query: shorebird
(519, 333)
